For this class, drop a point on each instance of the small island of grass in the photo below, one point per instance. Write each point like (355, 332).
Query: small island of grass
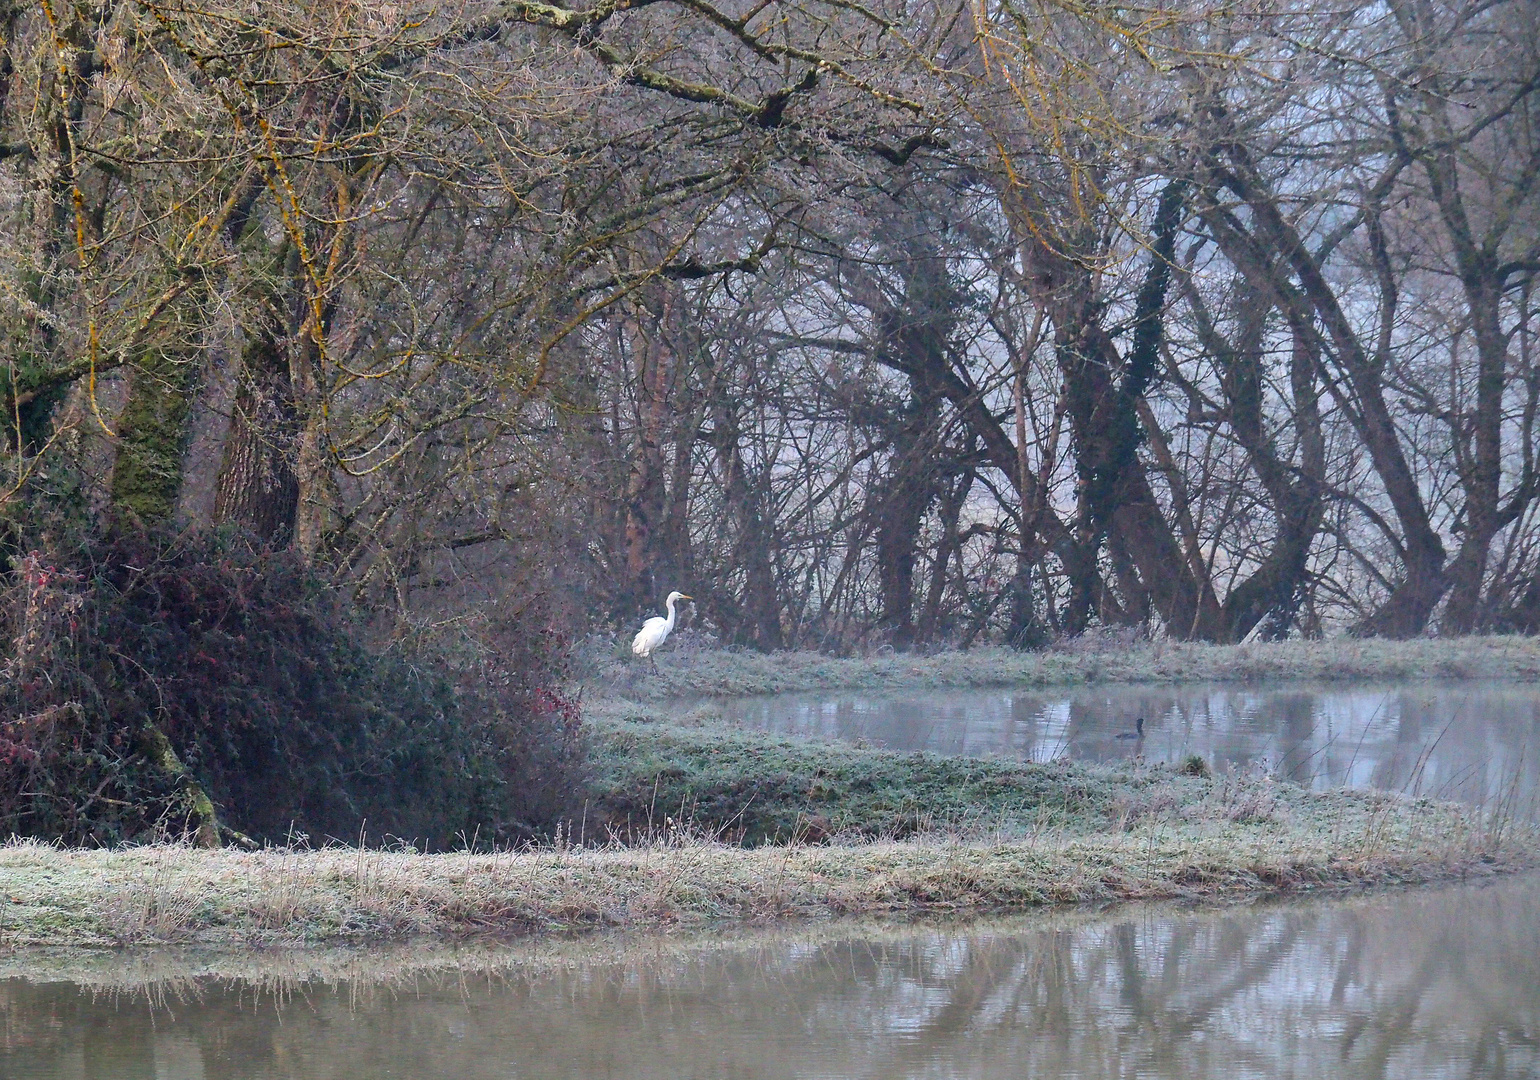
(687, 826)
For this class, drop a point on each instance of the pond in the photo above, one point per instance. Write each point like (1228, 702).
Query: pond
(1475, 742)
(1440, 983)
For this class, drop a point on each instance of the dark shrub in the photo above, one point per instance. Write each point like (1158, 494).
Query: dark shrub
(252, 672)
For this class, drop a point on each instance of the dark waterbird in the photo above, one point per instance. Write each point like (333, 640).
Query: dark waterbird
(1137, 733)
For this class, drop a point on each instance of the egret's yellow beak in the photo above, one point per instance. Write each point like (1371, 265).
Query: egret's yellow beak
(682, 596)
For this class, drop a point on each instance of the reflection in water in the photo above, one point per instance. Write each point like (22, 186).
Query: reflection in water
(1478, 743)
(1431, 984)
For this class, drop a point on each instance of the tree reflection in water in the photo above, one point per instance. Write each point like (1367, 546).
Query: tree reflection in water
(1428, 984)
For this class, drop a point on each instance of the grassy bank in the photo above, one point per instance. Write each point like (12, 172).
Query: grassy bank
(692, 671)
(408, 965)
(908, 833)
(754, 788)
(186, 971)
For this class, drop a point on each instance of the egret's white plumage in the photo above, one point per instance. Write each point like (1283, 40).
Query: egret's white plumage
(656, 629)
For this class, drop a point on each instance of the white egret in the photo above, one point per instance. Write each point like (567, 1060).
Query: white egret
(656, 629)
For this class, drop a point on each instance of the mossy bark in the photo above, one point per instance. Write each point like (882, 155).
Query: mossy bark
(152, 435)
(200, 808)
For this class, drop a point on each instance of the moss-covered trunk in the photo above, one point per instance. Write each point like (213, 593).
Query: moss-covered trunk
(152, 436)
(200, 808)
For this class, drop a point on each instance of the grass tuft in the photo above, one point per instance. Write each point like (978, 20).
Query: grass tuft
(1194, 765)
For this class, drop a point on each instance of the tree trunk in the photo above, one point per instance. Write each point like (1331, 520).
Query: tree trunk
(256, 487)
(1406, 612)
(646, 490)
(954, 498)
(1116, 499)
(1481, 473)
(153, 428)
(152, 435)
(899, 510)
(756, 620)
(1276, 589)
(200, 808)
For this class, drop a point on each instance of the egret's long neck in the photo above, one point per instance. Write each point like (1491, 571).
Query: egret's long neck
(670, 605)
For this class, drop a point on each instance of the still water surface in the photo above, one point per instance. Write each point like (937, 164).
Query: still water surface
(1436, 984)
(1476, 742)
